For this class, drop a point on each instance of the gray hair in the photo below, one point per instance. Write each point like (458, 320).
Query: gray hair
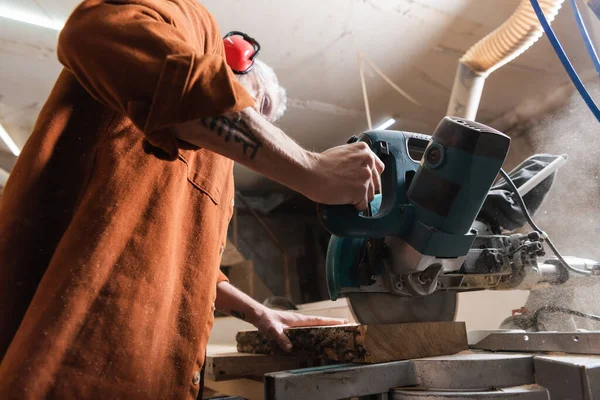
(261, 81)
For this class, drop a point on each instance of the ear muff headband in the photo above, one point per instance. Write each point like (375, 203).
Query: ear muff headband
(240, 51)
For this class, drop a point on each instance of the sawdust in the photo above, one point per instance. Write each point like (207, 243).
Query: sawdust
(571, 212)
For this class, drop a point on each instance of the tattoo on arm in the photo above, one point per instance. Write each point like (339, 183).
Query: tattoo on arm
(238, 130)
(239, 315)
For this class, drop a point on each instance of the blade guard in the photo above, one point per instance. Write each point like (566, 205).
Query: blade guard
(343, 255)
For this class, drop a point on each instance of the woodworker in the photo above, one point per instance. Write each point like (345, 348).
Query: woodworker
(114, 218)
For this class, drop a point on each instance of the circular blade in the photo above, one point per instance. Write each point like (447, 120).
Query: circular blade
(386, 308)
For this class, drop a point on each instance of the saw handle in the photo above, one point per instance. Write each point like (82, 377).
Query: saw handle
(346, 221)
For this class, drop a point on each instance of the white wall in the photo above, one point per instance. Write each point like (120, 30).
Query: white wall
(487, 309)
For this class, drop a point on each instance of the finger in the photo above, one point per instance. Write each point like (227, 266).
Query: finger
(362, 146)
(371, 189)
(376, 178)
(363, 204)
(365, 155)
(377, 182)
(280, 337)
(285, 343)
(318, 321)
(361, 199)
(379, 165)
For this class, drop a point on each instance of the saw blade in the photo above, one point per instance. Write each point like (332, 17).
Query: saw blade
(385, 308)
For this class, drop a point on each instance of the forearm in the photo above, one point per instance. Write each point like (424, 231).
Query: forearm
(234, 302)
(250, 140)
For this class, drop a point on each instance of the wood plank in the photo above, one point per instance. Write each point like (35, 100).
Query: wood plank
(225, 363)
(365, 343)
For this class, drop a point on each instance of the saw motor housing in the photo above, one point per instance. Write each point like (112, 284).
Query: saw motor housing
(421, 226)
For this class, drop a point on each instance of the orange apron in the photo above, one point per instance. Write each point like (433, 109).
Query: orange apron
(111, 231)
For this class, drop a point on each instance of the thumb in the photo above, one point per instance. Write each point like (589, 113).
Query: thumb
(281, 338)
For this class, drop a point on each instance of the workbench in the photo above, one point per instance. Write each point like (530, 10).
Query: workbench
(523, 365)
(498, 366)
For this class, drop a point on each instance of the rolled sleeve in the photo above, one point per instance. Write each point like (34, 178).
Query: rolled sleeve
(127, 57)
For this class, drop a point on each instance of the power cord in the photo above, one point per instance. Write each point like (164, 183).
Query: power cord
(543, 234)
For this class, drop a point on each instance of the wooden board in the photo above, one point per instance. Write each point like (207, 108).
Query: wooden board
(365, 343)
(225, 363)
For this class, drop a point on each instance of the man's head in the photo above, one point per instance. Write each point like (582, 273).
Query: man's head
(256, 76)
(262, 84)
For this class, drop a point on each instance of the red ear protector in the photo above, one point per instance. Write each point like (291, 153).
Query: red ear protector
(240, 51)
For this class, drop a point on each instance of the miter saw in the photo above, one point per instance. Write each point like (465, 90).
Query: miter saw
(425, 237)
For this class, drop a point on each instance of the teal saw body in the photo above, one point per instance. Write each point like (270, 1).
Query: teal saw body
(388, 259)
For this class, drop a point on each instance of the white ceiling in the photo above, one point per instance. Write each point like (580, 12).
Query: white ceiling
(312, 45)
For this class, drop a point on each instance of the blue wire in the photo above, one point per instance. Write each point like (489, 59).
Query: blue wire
(585, 36)
(565, 60)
